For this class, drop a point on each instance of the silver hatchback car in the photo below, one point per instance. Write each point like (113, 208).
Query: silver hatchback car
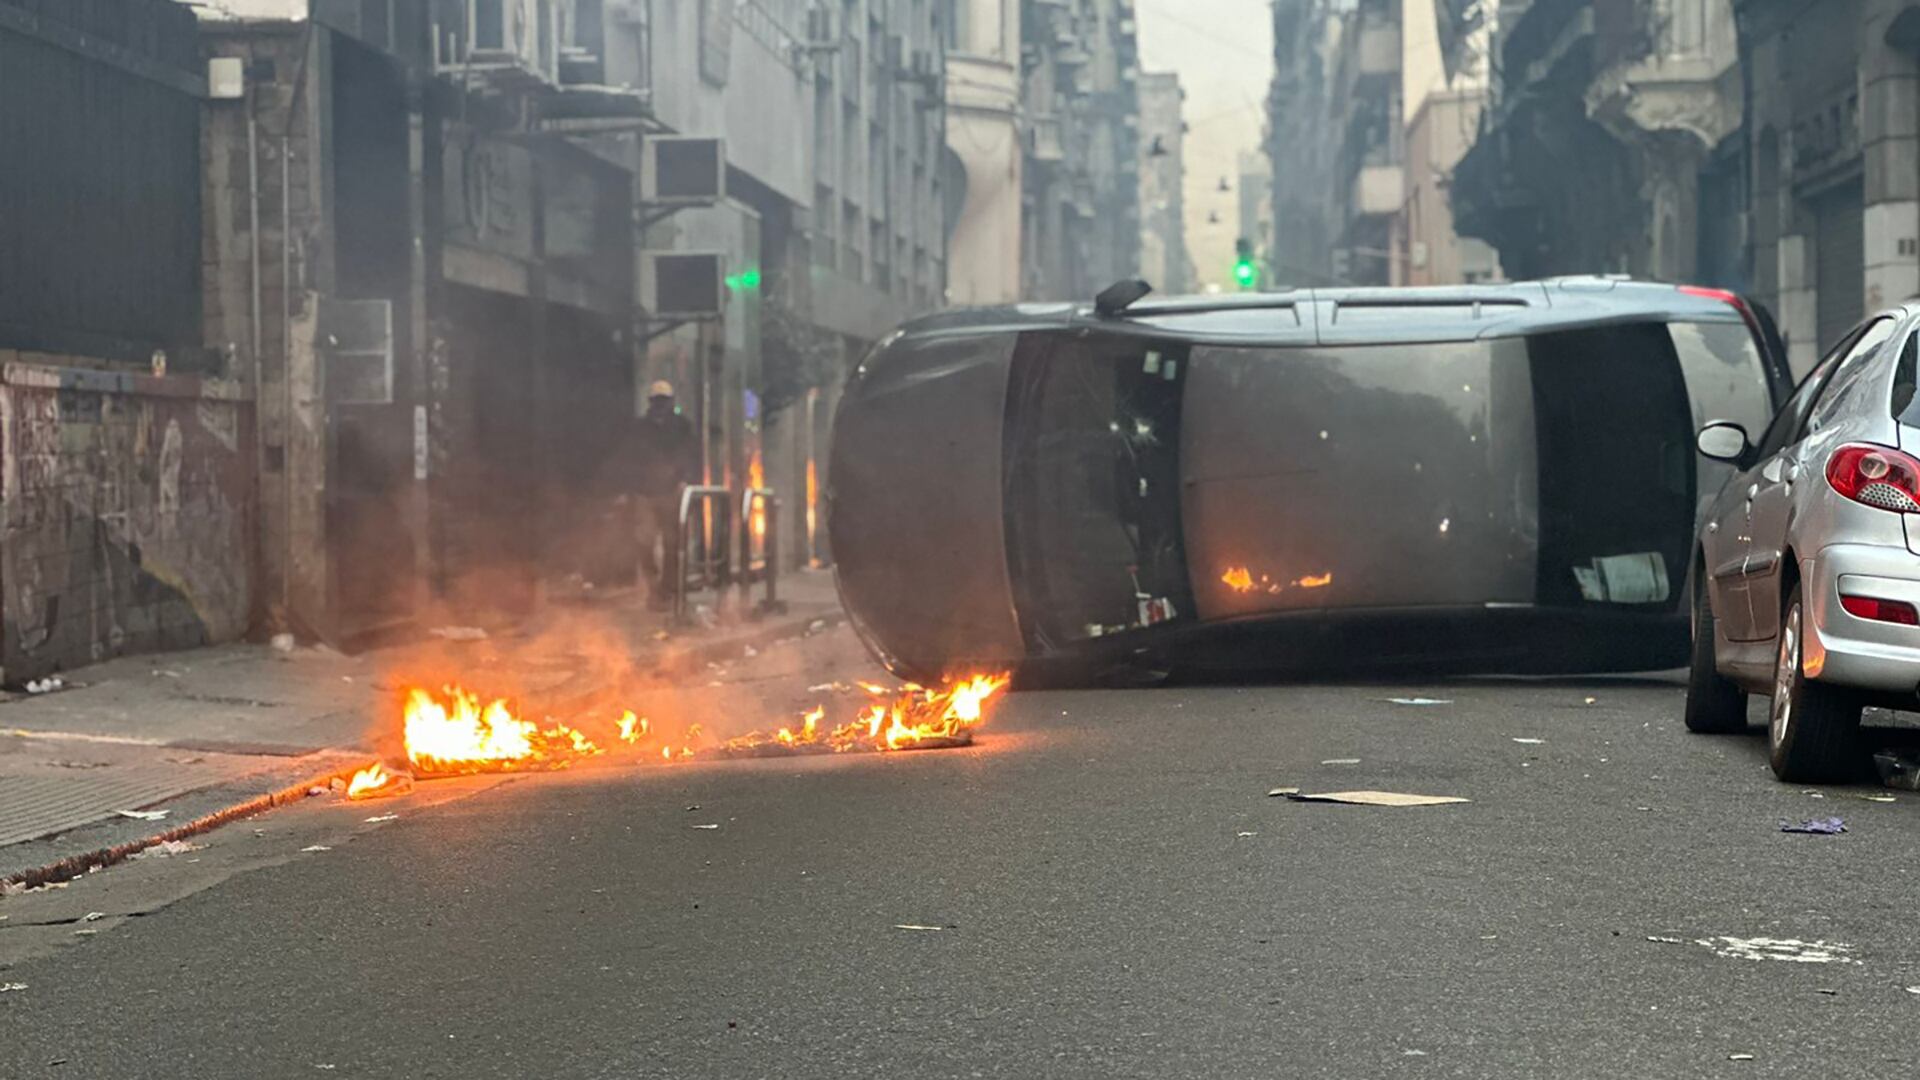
(1807, 579)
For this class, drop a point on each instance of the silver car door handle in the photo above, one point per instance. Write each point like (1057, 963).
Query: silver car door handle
(1752, 491)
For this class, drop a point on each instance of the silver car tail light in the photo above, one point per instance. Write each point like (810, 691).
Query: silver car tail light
(1876, 476)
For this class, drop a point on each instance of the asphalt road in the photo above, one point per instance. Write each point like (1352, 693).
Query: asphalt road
(1116, 896)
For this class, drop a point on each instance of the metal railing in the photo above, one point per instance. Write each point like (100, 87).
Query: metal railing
(769, 565)
(714, 558)
(713, 566)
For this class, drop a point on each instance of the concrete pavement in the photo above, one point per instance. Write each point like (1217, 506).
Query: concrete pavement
(235, 722)
(1115, 895)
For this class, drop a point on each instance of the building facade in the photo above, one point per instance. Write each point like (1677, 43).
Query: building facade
(1164, 259)
(987, 151)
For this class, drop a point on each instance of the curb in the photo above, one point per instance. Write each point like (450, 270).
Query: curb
(74, 866)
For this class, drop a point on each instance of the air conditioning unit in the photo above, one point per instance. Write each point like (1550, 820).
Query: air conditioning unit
(679, 170)
(685, 284)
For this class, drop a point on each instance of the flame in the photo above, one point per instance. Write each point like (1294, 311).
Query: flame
(757, 479)
(459, 735)
(367, 781)
(1240, 580)
(453, 732)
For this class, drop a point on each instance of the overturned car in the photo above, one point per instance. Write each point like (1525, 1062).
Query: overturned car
(1485, 478)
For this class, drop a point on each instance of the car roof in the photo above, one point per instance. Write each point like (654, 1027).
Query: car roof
(1363, 315)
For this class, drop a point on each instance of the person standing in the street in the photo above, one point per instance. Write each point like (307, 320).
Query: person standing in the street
(669, 459)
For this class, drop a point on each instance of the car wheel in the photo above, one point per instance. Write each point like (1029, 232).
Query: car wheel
(1813, 730)
(1715, 706)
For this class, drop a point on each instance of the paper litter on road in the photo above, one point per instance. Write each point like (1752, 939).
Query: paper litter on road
(1419, 701)
(1658, 940)
(703, 826)
(143, 815)
(93, 916)
(1530, 742)
(1378, 798)
(11, 988)
(167, 848)
(383, 817)
(916, 926)
(1279, 791)
(1341, 761)
(315, 847)
(1246, 834)
(1792, 950)
(1739, 1057)
(1828, 826)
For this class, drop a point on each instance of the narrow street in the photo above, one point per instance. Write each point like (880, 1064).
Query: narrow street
(1100, 887)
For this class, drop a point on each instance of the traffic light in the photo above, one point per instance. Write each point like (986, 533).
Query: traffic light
(1244, 270)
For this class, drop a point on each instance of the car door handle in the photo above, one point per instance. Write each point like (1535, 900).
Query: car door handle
(1752, 491)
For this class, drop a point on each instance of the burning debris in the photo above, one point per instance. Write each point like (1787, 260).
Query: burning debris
(456, 732)
(1241, 580)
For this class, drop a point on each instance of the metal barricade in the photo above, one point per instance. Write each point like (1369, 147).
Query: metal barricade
(714, 557)
(769, 561)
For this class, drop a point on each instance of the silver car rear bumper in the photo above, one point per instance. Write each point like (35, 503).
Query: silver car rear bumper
(1861, 653)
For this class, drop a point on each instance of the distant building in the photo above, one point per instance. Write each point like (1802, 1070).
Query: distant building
(987, 151)
(1444, 80)
(1255, 191)
(1164, 259)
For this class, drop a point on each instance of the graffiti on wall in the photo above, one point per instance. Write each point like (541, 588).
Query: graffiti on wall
(123, 522)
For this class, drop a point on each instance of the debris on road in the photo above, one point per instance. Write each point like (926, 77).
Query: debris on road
(1419, 701)
(1378, 798)
(93, 916)
(47, 685)
(1593, 701)
(703, 826)
(1792, 950)
(142, 815)
(169, 848)
(1898, 769)
(1659, 940)
(283, 643)
(12, 988)
(383, 818)
(916, 926)
(459, 633)
(1739, 1057)
(315, 847)
(1827, 826)
(1341, 761)
(1530, 742)
(1244, 835)
(1279, 791)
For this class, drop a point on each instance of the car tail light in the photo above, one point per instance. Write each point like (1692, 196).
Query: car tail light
(1876, 476)
(1893, 611)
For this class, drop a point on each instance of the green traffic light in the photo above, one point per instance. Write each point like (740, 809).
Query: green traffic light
(1245, 272)
(745, 280)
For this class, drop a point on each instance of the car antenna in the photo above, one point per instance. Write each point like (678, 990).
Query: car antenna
(1119, 296)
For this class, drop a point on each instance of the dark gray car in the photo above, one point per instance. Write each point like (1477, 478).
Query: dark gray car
(1496, 478)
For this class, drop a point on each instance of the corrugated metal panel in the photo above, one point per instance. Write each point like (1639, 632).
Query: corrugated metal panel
(100, 231)
(1840, 256)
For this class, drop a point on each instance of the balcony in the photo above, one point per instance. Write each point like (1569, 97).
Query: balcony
(1378, 190)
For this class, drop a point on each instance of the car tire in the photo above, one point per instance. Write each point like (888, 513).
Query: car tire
(1715, 706)
(1813, 730)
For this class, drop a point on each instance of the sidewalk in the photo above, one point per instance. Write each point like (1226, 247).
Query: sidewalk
(196, 732)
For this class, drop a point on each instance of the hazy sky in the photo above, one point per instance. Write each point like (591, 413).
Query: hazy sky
(1223, 52)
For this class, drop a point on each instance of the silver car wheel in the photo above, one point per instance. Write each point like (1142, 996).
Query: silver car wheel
(1786, 671)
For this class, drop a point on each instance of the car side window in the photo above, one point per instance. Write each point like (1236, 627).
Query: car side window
(1787, 423)
(1852, 368)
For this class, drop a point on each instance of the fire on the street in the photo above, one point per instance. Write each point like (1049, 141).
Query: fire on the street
(1241, 580)
(456, 731)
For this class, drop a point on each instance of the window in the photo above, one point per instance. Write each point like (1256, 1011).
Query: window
(1848, 374)
(1726, 377)
(1789, 421)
